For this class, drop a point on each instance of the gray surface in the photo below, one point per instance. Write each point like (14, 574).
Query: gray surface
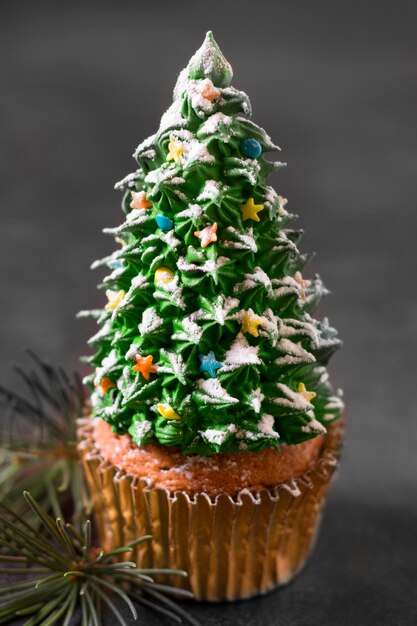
(334, 83)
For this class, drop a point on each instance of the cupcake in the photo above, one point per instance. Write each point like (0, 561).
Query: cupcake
(213, 426)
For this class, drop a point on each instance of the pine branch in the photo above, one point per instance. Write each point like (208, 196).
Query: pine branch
(67, 575)
(38, 437)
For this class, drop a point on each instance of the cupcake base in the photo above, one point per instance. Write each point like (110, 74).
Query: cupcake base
(232, 548)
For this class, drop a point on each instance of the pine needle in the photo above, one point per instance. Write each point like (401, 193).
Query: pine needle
(58, 572)
(38, 437)
(71, 576)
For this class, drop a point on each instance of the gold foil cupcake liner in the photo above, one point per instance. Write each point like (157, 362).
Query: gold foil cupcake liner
(232, 548)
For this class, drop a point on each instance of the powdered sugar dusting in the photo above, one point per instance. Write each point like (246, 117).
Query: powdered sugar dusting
(132, 353)
(291, 327)
(247, 168)
(253, 280)
(214, 393)
(170, 239)
(334, 404)
(174, 366)
(266, 426)
(273, 200)
(138, 282)
(140, 429)
(129, 180)
(195, 152)
(107, 364)
(137, 215)
(217, 436)
(240, 354)
(194, 211)
(214, 122)
(314, 426)
(145, 147)
(221, 308)
(292, 399)
(150, 321)
(285, 286)
(264, 430)
(191, 331)
(294, 353)
(256, 398)
(244, 241)
(171, 288)
(167, 173)
(269, 326)
(102, 333)
(209, 266)
(211, 191)
(172, 118)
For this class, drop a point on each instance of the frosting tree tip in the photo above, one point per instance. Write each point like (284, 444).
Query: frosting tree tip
(208, 63)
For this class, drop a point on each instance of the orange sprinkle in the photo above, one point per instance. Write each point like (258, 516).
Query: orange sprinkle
(207, 235)
(144, 365)
(140, 201)
(301, 281)
(106, 384)
(209, 91)
(304, 284)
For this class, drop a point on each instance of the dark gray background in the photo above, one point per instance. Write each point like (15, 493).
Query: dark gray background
(335, 84)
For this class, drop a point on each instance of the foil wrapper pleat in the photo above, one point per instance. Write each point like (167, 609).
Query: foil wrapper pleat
(232, 548)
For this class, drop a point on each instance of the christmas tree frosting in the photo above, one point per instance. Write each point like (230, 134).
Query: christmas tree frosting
(207, 340)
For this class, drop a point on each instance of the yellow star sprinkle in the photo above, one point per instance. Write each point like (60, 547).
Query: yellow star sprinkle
(168, 412)
(307, 395)
(115, 298)
(175, 149)
(250, 323)
(163, 275)
(250, 210)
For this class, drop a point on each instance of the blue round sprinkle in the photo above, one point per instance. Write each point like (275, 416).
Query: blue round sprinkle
(115, 264)
(164, 223)
(251, 148)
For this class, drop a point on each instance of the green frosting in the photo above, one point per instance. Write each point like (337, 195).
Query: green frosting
(208, 62)
(229, 354)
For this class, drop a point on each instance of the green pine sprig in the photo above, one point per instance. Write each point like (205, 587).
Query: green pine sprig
(63, 574)
(38, 437)
(59, 574)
